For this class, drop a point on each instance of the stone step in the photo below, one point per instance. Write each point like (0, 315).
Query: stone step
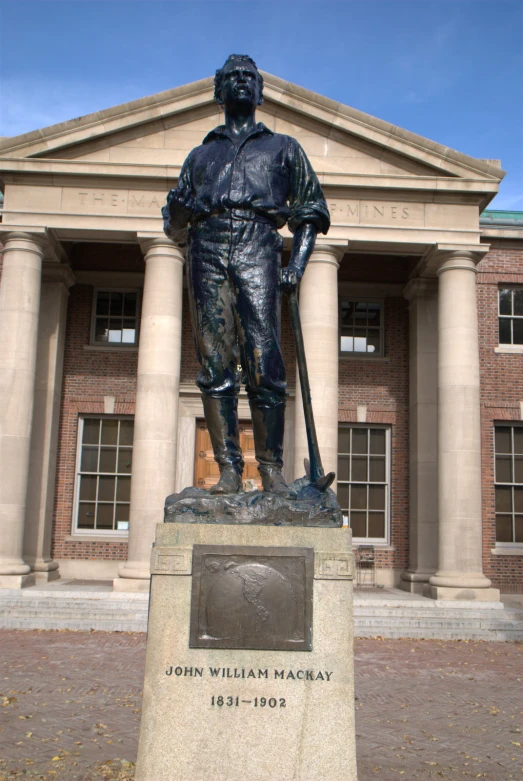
(480, 626)
(87, 609)
(428, 633)
(74, 624)
(77, 605)
(73, 594)
(110, 604)
(423, 613)
(438, 615)
(103, 610)
(66, 615)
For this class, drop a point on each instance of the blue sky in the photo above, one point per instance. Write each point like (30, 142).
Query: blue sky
(450, 70)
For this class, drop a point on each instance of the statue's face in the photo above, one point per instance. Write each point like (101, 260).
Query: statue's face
(240, 86)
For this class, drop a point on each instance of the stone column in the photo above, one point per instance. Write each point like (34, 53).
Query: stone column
(460, 571)
(57, 278)
(157, 399)
(19, 310)
(319, 319)
(423, 433)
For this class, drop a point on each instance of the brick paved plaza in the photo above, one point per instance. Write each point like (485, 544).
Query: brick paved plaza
(70, 707)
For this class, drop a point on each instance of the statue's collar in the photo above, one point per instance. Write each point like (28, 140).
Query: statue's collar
(222, 132)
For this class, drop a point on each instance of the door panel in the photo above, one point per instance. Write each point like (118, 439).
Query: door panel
(206, 472)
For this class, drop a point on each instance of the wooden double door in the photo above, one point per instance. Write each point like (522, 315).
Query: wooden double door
(206, 472)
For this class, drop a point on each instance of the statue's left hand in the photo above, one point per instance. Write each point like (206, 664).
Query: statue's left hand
(289, 279)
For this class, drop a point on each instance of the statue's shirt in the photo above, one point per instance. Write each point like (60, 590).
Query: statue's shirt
(267, 175)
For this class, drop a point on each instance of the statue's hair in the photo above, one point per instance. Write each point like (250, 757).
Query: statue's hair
(218, 78)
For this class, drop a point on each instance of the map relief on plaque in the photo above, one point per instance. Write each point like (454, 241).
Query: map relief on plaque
(247, 597)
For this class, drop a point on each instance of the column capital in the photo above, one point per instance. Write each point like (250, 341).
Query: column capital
(23, 242)
(156, 244)
(450, 261)
(440, 253)
(46, 242)
(420, 287)
(327, 253)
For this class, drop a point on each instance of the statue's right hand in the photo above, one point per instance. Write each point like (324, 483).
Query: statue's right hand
(179, 198)
(289, 279)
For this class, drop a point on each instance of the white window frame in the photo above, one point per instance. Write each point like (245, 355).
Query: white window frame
(508, 345)
(75, 530)
(115, 345)
(376, 541)
(512, 546)
(363, 300)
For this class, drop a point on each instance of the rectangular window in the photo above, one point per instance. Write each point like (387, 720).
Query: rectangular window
(511, 315)
(364, 480)
(103, 475)
(509, 483)
(361, 327)
(115, 317)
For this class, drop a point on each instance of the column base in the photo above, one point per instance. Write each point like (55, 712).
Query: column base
(463, 593)
(47, 576)
(413, 587)
(44, 570)
(133, 576)
(17, 581)
(131, 584)
(415, 582)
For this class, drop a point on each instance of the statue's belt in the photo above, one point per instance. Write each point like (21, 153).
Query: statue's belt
(235, 214)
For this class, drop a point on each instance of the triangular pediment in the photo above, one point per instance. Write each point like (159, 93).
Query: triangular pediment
(163, 128)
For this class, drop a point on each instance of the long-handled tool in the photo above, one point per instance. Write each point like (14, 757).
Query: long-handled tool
(318, 477)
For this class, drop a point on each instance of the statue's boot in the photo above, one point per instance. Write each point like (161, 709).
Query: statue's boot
(268, 427)
(221, 416)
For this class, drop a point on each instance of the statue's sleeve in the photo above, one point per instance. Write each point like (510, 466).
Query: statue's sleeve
(177, 211)
(306, 200)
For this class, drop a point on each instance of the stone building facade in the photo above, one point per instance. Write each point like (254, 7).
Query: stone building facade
(418, 400)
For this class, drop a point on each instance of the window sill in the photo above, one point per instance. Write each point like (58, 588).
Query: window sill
(381, 546)
(510, 549)
(509, 349)
(97, 537)
(364, 357)
(111, 348)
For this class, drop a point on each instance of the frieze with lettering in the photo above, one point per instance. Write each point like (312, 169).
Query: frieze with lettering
(366, 212)
(91, 201)
(149, 202)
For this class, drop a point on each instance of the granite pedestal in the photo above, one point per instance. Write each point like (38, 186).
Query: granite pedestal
(213, 714)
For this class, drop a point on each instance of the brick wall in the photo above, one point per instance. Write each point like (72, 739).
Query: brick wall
(88, 377)
(501, 393)
(382, 385)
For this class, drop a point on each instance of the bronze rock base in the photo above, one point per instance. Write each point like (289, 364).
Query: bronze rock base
(310, 508)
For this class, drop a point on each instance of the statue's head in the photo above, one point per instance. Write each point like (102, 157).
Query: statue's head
(230, 80)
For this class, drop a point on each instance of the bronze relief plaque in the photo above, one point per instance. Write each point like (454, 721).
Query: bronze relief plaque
(252, 597)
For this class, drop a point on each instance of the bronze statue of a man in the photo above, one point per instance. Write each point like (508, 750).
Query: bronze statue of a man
(234, 192)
